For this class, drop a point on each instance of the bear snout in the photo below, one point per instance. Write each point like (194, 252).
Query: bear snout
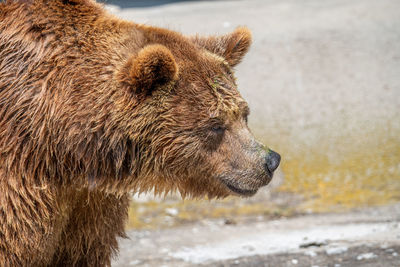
(272, 161)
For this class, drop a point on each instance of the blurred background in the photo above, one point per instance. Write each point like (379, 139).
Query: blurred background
(323, 83)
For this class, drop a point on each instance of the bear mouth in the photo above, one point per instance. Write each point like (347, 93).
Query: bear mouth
(240, 191)
(237, 190)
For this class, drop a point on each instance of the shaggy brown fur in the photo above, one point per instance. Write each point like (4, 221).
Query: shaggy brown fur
(93, 108)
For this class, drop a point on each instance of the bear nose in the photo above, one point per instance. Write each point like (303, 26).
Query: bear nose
(272, 161)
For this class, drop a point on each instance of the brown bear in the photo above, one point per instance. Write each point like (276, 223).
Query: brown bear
(93, 108)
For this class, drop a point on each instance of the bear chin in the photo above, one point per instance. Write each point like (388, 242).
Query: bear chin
(241, 192)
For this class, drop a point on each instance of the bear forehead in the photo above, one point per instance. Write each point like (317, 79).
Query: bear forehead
(209, 86)
(211, 98)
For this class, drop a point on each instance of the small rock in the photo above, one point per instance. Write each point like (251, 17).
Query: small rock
(310, 253)
(313, 244)
(229, 222)
(171, 211)
(337, 265)
(394, 254)
(366, 256)
(295, 262)
(336, 250)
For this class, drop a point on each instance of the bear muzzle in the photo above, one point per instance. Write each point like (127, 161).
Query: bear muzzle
(247, 182)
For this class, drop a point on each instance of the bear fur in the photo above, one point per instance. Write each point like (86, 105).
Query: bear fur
(93, 108)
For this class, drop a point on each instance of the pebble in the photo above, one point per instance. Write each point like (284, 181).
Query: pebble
(294, 261)
(171, 211)
(310, 253)
(229, 222)
(336, 250)
(366, 256)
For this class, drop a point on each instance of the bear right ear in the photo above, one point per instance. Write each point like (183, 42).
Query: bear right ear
(232, 47)
(154, 66)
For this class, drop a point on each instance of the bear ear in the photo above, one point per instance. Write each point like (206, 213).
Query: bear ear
(154, 66)
(232, 46)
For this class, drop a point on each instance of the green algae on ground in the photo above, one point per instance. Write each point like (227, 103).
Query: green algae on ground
(365, 175)
(155, 214)
(330, 174)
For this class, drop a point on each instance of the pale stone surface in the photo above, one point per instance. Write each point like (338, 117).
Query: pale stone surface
(318, 71)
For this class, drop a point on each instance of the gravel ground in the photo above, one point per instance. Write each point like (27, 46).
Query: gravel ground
(369, 237)
(357, 256)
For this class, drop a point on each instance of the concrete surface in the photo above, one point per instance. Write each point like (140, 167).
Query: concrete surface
(318, 70)
(364, 238)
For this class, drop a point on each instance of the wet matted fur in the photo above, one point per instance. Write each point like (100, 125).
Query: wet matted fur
(92, 108)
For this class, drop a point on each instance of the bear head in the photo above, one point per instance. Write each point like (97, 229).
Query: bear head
(192, 128)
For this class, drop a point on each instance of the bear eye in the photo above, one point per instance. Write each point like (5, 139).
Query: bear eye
(218, 129)
(214, 135)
